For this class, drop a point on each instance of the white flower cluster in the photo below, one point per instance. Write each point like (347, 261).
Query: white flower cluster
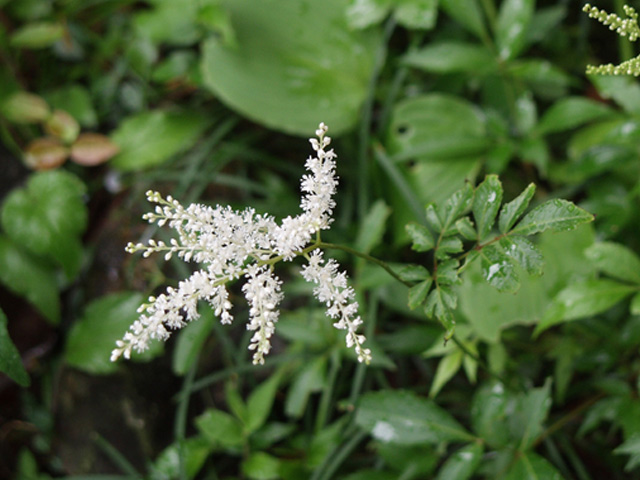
(231, 244)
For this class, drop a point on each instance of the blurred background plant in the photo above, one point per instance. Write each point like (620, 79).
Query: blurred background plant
(211, 101)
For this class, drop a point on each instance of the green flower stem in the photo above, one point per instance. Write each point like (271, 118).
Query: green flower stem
(624, 45)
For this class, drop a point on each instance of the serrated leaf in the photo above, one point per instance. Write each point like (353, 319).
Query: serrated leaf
(413, 273)
(10, 361)
(530, 466)
(421, 238)
(438, 305)
(525, 253)
(372, 227)
(457, 205)
(418, 293)
(28, 277)
(93, 337)
(220, 428)
(498, 270)
(486, 203)
(580, 300)
(465, 228)
(448, 272)
(433, 219)
(511, 211)
(452, 57)
(402, 417)
(512, 24)
(47, 217)
(554, 215)
(447, 246)
(615, 260)
(462, 464)
(447, 368)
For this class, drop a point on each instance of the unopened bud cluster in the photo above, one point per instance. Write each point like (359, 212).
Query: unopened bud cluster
(230, 244)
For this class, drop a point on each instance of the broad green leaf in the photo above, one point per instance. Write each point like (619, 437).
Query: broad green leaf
(543, 77)
(490, 410)
(169, 22)
(570, 113)
(421, 238)
(417, 14)
(462, 464)
(414, 461)
(412, 339)
(404, 418)
(586, 299)
(634, 308)
(525, 253)
(48, 217)
(178, 65)
(436, 180)
(413, 273)
(622, 89)
(190, 342)
(468, 13)
(194, 451)
(37, 35)
(554, 215)
(24, 107)
(498, 270)
(260, 402)
(452, 57)
(511, 212)
(365, 13)
(311, 378)
(93, 337)
(486, 203)
(286, 75)
(28, 277)
(372, 227)
(261, 466)
(527, 418)
(371, 474)
(631, 446)
(436, 126)
(530, 466)
(418, 293)
(150, 138)
(220, 428)
(439, 306)
(447, 368)
(615, 260)
(512, 25)
(10, 361)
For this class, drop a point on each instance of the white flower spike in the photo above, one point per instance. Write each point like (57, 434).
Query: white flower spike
(230, 244)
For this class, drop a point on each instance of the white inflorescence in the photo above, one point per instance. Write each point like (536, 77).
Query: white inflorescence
(230, 244)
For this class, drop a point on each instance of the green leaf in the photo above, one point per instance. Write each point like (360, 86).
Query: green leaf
(418, 293)
(468, 14)
(526, 420)
(512, 25)
(447, 246)
(75, 100)
(555, 215)
(311, 378)
(260, 402)
(261, 466)
(299, 76)
(447, 368)
(413, 273)
(10, 361)
(615, 260)
(543, 77)
(465, 228)
(193, 451)
(498, 270)
(490, 409)
(635, 305)
(48, 217)
(631, 446)
(448, 272)
(439, 306)
(580, 300)
(168, 22)
(525, 253)
(421, 238)
(462, 463)
(457, 205)
(29, 278)
(511, 212)
(190, 342)
(417, 14)
(452, 57)
(412, 461)
(486, 203)
(365, 13)
(402, 417)
(220, 428)
(530, 466)
(622, 89)
(37, 35)
(372, 228)
(93, 337)
(150, 138)
(572, 112)
(436, 126)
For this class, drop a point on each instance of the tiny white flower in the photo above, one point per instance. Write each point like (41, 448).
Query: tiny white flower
(231, 244)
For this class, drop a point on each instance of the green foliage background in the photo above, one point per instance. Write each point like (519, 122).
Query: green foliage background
(462, 127)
